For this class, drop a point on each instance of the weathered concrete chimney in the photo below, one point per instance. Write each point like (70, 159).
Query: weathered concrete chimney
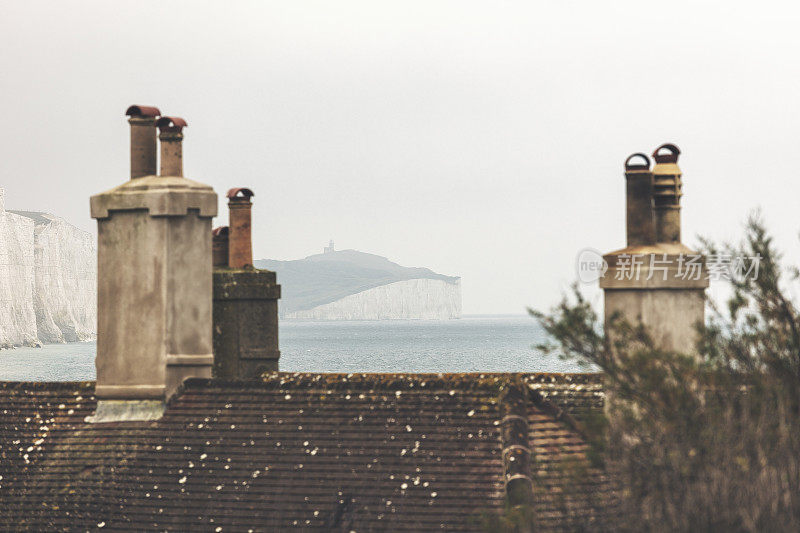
(245, 300)
(143, 139)
(660, 284)
(667, 193)
(171, 137)
(219, 247)
(639, 201)
(240, 242)
(154, 293)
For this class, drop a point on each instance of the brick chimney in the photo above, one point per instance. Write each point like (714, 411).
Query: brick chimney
(143, 139)
(240, 244)
(656, 280)
(245, 299)
(154, 287)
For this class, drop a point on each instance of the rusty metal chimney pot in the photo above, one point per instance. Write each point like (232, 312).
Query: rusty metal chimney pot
(171, 137)
(240, 243)
(667, 192)
(639, 201)
(143, 139)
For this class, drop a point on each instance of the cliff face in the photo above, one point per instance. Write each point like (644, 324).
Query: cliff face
(411, 299)
(17, 317)
(65, 298)
(48, 278)
(352, 285)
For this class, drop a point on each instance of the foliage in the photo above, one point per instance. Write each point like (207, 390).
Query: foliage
(705, 441)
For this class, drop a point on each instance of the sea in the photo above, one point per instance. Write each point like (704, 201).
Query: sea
(493, 343)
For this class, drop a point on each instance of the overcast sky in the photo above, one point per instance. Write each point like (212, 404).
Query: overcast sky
(480, 139)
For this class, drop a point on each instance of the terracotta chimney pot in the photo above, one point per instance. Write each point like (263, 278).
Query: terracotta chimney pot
(219, 247)
(143, 139)
(171, 137)
(240, 243)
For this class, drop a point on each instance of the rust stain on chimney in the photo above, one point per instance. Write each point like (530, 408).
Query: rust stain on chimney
(219, 247)
(639, 223)
(667, 192)
(171, 137)
(143, 139)
(240, 244)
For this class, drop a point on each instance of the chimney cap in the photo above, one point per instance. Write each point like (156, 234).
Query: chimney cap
(220, 231)
(171, 124)
(671, 157)
(142, 111)
(637, 165)
(241, 192)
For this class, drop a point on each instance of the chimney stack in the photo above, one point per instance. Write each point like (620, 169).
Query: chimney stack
(667, 194)
(219, 247)
(143, 139)
(651, 281)
(171, 137)
(154, 292)
(639, 201)
(240, 243)
(245, 299)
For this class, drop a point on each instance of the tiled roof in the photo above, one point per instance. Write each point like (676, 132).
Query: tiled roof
(578, 394)
(333, 452)
(571, 493)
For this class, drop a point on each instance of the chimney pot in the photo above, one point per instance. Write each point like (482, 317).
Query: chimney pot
(143, 139)
(219, 248)
(639, 200)
(171, 137)
(667, 192)
(240, 244)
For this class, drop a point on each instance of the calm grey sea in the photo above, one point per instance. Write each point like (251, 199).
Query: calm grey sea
(471, 344)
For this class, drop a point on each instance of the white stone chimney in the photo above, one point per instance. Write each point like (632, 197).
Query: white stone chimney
(154, 288)
(2, 200)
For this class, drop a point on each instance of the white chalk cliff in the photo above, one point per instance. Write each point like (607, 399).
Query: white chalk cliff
(48, 280)
(428, 299)
(353, 285)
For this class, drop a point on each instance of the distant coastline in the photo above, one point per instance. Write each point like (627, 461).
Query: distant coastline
(353, 285)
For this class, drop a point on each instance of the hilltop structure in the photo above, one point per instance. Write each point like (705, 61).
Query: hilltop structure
(47, 279)
(158, 444)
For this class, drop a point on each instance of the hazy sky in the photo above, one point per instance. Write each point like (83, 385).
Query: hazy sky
(480, 139)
